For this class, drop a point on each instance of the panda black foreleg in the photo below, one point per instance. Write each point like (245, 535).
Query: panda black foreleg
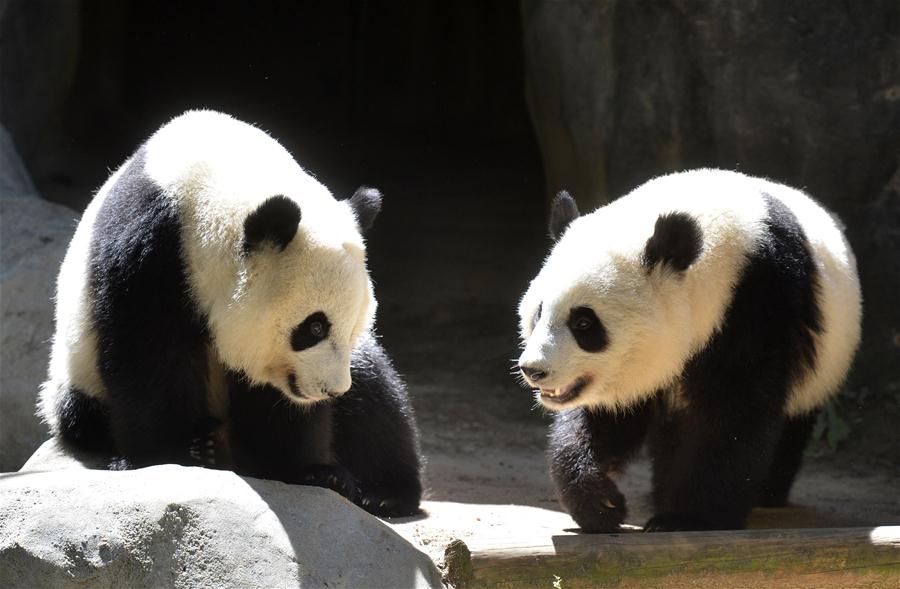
(155, 377)
(375, 435)
(709, 466)
(156, 421)
(269, 437)
(151, 343)
(586, 447)
(787, 460)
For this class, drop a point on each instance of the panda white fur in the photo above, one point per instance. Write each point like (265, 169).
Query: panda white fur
(707, 310)
(212, 281)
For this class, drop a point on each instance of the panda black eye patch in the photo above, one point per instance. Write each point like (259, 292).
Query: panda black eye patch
(311, 331)
(587, 329)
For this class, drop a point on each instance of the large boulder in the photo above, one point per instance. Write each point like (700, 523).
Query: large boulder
(806, 93)
(34, 235)
(62, 525)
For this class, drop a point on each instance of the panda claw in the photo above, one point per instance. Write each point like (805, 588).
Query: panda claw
(608, 504)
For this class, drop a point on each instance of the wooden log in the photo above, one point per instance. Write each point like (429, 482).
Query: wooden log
(814, 558)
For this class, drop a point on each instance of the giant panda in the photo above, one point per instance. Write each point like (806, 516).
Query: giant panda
(214, 308)
(709, 312)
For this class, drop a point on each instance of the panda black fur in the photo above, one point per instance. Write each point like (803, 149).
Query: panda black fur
(709, 312)
(215, 297)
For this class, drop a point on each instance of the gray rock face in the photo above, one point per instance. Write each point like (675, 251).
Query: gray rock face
(14, 178)
(806, 93)
(174, 526)
(34, 235)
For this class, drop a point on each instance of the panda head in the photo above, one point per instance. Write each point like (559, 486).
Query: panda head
(275, 264)
(304, 295)
(604, 322)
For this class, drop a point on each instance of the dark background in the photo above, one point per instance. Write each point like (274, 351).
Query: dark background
(468, 114)
(347, 87)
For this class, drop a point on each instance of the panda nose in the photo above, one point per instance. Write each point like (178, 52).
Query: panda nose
(533, 373)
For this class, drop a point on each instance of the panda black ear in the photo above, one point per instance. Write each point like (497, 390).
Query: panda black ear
(366, 204)
(274, 221)
(676, 242)
(563, 211)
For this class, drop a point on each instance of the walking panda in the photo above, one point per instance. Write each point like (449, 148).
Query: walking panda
(707, 310)
(215, 292)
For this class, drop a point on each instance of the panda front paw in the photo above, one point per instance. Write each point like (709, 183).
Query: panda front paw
(203, 450)
(331, 476)
(119, 463)
(596, 505)
(382, 506)
(210, 447)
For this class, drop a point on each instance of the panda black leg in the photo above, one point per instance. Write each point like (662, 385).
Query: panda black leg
(585, 448)
(787, 460)
(84, 422)
(272, 438)
(711, 479)
(157, 405)
(152, 345)
(146, 434)
(375, 436)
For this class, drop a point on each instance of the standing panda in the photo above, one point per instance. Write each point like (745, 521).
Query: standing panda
(711, 311)
(214, 306)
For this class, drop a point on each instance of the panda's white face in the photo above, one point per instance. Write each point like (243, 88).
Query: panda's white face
(275, 264)
(296, 319)
(597, 340)
(599, 327)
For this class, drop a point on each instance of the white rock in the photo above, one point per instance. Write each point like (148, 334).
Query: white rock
(174, 526)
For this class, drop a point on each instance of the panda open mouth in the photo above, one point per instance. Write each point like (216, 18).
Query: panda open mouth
(566, 393)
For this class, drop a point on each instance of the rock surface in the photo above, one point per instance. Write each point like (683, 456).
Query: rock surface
(174, 526)
(34, 235)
